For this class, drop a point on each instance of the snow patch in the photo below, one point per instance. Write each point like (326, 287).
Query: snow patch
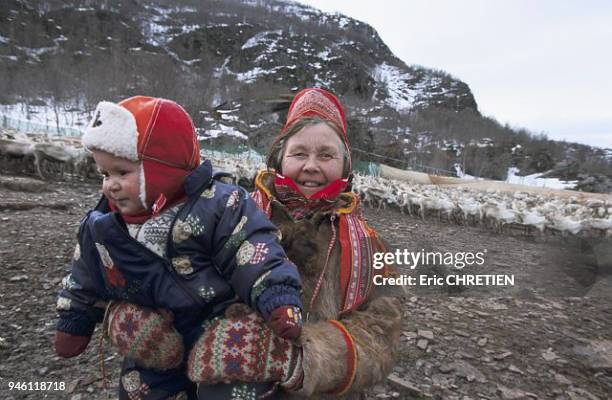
(261, 37)
(342, 21)
(462, 175)
(44, 119)
(401, 96)
(536, 181)
(222, 130)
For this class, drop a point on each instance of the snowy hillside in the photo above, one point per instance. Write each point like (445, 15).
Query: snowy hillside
(235, 65)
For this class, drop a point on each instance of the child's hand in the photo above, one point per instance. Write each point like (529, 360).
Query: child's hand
(286, 322)
(145, 335)
(67, 345)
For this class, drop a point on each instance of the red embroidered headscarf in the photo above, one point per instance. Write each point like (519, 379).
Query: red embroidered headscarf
(319, 102)
(156, 132)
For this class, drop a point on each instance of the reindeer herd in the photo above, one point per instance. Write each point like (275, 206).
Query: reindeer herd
(517, 211)
(523, 212)
(47, 157)
(520, 212)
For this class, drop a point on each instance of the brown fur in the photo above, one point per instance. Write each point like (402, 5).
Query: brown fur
(375, 327)
(298, 239)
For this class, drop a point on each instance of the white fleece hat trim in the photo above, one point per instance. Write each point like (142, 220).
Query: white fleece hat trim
(143, 189)
(113, 129)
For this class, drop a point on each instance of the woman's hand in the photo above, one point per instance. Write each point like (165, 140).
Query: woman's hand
(145, 335)
(244, 348)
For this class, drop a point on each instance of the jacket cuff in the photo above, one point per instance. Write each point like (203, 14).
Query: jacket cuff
(277, 296)
(76, 324)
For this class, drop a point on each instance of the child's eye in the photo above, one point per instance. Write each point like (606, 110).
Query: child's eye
(123, 173)
(104, 174)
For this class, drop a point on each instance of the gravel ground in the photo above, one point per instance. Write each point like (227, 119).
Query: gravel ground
(549, 336)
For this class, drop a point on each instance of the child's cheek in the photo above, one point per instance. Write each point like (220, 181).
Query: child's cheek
(105, 187)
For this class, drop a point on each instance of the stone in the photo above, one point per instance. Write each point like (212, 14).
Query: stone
(404, 386)
(492, 305)
(482, 342)
(515, 369)
(379, 389)
(408, 334)
(463, 369)
(422, 344)
(446, 368)
(502, 356)
(398, 369)
(597, 354)
(426, 334)
(562, 380)
(463, 354)
(511, 394)
(72, 385)
(461, 333)
(440, 381)
(23, 184)
(580, 394)
(549, 355)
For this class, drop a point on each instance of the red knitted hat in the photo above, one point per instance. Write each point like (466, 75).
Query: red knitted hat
(157, 132)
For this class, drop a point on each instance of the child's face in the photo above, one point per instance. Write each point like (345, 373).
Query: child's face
(121, 182)
(313, 158)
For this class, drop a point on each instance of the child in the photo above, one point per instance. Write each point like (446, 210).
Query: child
(167, 235)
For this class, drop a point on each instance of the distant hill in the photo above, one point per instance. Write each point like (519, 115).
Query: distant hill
(235, 64)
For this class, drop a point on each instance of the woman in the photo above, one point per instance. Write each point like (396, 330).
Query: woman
(352, 328)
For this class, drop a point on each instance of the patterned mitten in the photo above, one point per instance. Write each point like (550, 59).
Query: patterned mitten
(145, 335)
(67, 345)
(286, 322)
(243, 348)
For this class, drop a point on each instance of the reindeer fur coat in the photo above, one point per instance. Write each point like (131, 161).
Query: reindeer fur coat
(375, 327)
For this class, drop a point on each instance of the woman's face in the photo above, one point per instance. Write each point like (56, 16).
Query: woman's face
(313, 158)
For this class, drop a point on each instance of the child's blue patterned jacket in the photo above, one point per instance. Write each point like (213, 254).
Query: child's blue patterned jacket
(221, 249)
